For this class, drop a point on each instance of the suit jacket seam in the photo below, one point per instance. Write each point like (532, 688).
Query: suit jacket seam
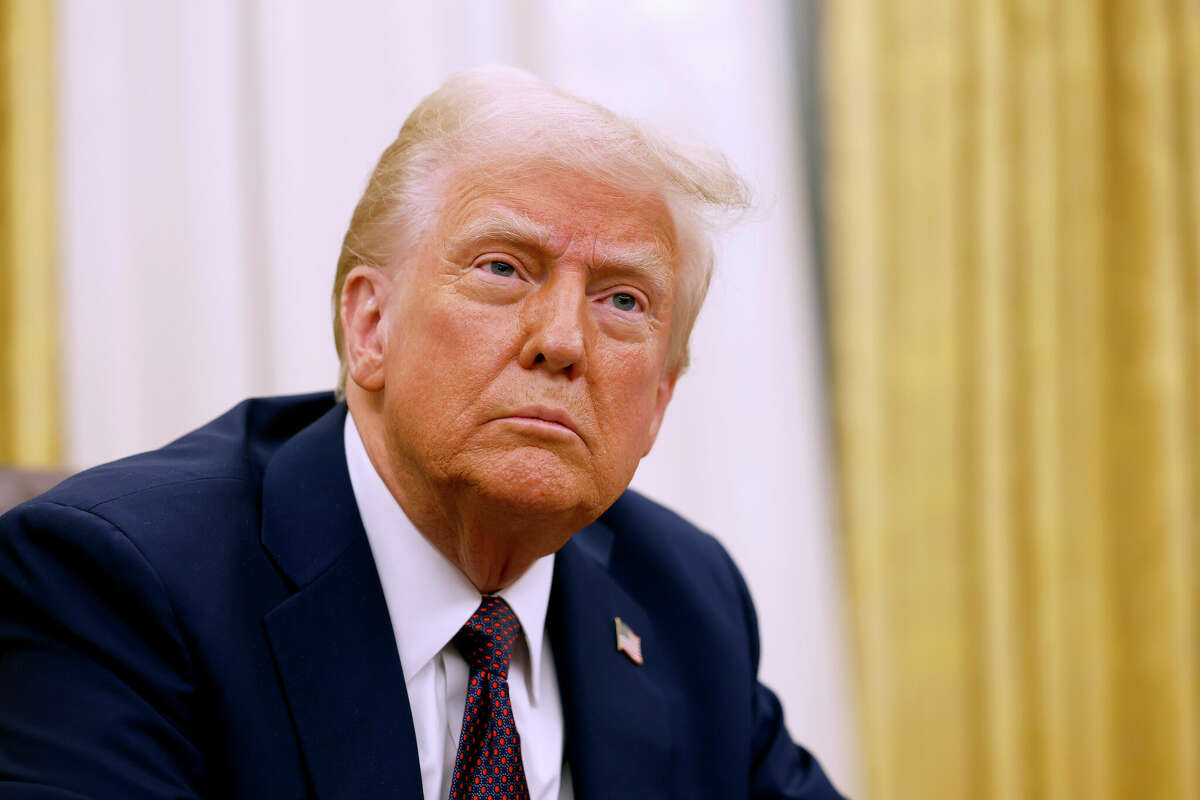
(91, 509)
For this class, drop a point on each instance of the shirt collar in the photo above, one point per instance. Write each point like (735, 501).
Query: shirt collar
(428, 598)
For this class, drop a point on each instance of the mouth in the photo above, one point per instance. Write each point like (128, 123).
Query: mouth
(544, 419)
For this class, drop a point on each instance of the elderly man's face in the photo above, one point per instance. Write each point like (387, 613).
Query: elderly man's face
(525, 353)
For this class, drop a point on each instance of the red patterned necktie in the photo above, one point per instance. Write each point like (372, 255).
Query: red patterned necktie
(488, 765)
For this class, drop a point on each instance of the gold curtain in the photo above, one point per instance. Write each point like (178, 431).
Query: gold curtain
(29, 428)
(1014, 219)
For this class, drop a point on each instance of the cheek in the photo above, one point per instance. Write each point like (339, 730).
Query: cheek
(465, 334)
(444, 351)
(634, 402)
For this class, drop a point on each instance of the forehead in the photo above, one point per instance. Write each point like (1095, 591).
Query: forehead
(555, 209)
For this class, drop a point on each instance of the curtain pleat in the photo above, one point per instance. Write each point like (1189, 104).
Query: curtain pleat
(1014, 213)
(30, 432)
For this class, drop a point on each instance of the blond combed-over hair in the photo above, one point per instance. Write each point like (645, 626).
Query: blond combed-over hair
(506, 117)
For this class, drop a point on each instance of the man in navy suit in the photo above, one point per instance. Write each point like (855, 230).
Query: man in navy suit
(434, 584)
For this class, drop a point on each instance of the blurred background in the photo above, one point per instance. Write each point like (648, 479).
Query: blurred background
(945, 402)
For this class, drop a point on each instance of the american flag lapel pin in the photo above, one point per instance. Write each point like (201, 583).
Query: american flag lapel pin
(628, 642)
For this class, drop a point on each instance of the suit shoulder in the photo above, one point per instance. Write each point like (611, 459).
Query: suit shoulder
(651, 539)
(657, 527)
(231, 449)
(181, 519)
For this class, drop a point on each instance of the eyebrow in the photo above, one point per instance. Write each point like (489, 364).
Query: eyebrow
(519, 230)
(648, 260)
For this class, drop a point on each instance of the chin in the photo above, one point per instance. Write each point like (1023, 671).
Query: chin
(538, 482)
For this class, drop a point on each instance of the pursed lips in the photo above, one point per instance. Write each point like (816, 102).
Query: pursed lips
(551, 418)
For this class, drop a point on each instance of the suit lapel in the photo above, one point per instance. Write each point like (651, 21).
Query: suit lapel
(615, 712)
(332, 639)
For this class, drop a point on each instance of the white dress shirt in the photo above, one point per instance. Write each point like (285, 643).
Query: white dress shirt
(428, 600)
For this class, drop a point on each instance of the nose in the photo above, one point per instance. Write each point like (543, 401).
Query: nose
(554, 319)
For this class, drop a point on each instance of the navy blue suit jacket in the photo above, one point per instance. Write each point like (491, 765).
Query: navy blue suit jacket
(206, 620)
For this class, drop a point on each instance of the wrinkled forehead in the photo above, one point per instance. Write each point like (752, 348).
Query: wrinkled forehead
(556, 205)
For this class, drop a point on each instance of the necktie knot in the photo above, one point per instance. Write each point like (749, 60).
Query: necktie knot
(487, 638)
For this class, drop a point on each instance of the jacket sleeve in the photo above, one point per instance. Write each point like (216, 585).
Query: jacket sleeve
(779, 768)
(95, 678)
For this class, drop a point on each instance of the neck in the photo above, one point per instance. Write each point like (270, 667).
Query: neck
(492, 544)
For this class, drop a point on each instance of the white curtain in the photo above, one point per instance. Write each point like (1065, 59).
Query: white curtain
(211, 156)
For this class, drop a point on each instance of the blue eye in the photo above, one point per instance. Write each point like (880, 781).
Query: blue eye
(625, 301)
(501, 268)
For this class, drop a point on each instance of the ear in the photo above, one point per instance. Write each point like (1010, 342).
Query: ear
(363, 294)
(666, 388)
